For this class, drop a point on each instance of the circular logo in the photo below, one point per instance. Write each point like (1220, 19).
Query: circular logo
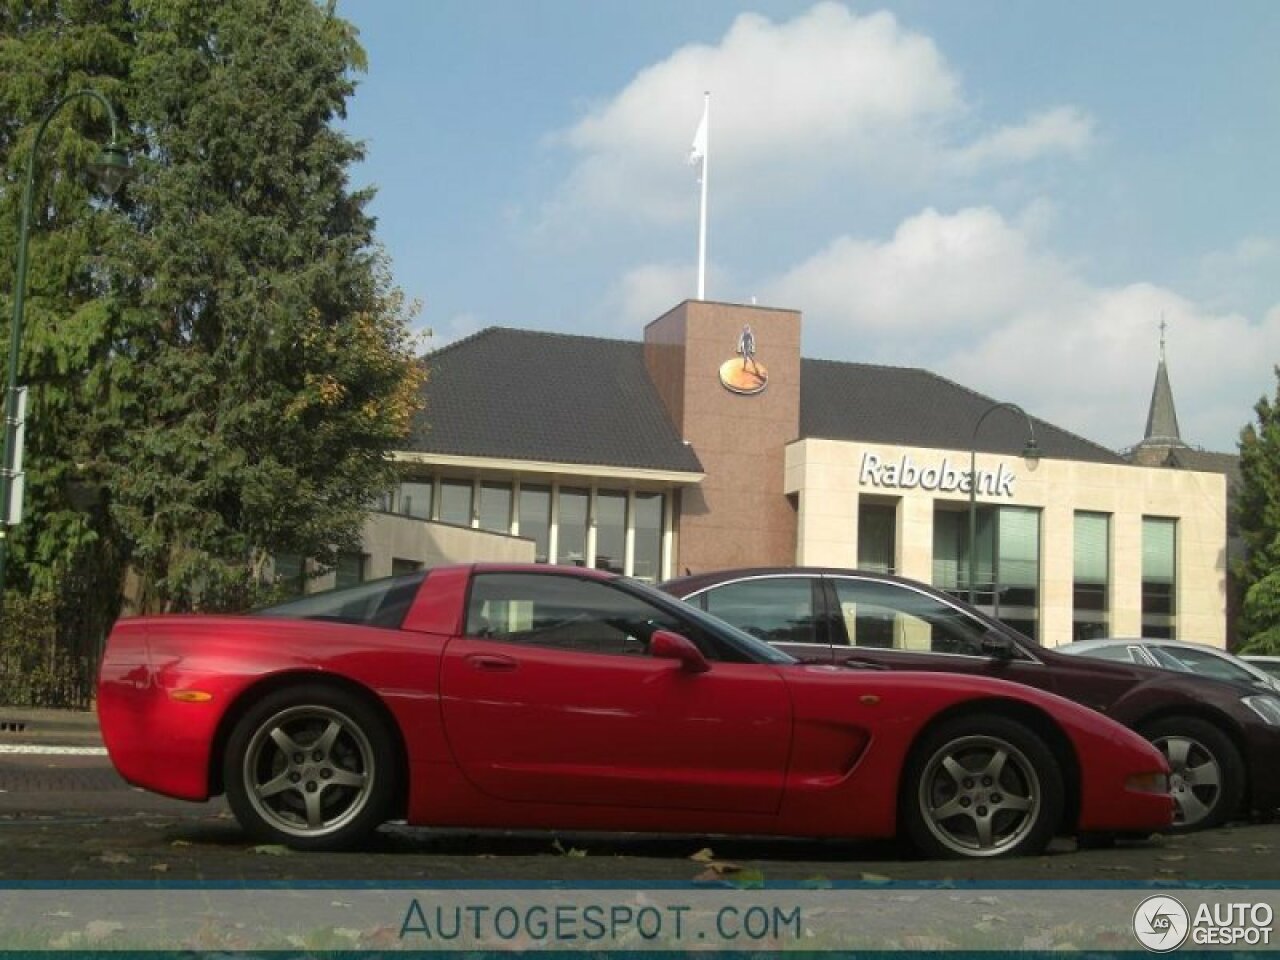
(1160, 923)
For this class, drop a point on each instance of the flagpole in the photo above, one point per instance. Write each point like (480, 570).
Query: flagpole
(702, 216)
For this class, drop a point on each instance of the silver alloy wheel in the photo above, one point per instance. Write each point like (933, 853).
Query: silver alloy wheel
(979, 795)
(309, 770)
(1195, 777)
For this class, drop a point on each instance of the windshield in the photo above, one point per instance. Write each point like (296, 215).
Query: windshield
(377, 603)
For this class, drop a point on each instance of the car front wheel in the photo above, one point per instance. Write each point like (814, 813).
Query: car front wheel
(312, 767)
(982, 787)
(1206, 771)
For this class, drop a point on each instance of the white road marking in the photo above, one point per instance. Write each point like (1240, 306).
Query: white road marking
(37, 749)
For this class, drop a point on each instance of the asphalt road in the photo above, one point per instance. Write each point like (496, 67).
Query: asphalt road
(69, 817)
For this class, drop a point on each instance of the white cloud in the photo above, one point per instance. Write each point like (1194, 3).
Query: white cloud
(1061, 130)
(977, 298)
(646, 293)
(963, 272)
(828, 92)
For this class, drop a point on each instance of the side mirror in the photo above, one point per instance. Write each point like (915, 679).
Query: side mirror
(666, 645)
(997, 645)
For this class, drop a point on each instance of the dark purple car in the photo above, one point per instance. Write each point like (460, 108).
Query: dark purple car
(1222, 739)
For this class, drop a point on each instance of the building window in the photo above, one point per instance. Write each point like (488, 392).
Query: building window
(290, 573)
(1090, 604)
(877, 534)
(572, 539)
(495, 507)
(611, 531)
(350, 570)
(1006, 562)
(646, 561)
(535, 519)
(1159, 577)
(401, 566)
(415, 499)
(455, 502)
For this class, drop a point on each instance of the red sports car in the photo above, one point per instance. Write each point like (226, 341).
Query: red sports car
(512, 696)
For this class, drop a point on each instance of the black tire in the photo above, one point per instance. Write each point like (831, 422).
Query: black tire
(311, 766)
(983, 786)
(1208, 775)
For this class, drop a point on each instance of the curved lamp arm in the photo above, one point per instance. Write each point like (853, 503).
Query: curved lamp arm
(1031, 452)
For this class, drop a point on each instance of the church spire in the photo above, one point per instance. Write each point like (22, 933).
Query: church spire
(1162, 418)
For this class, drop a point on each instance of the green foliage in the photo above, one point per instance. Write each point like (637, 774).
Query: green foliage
(1258, 513)
(217, 355)
(36, 670)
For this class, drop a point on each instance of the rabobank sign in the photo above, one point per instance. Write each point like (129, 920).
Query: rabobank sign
(905, 474)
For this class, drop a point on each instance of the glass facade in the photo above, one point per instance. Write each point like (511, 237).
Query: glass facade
(534, 517)
(571, 545)
(1090, 590)
(495, 507)
(877, 536)
(646, 560)
(1159, 577)
(1006, 581)
(611, 531)
(455, 502)
(415, 499)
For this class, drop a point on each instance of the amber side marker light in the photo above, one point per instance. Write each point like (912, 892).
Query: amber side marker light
(190, 696)
(1148, 783)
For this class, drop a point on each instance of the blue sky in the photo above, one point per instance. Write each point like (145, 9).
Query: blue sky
(1011, 194)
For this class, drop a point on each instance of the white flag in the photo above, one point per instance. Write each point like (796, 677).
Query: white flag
(698, 152)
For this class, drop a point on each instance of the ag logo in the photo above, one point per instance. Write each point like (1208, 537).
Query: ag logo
(1161, 923)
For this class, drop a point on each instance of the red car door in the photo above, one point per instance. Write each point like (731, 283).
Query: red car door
(551, 697)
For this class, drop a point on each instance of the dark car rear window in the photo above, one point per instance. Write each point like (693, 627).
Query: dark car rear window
(378, 603)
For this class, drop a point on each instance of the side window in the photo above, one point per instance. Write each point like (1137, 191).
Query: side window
(567, 613)
(1119, 655)
(774, 609)
(897, 618)
(1209, 665)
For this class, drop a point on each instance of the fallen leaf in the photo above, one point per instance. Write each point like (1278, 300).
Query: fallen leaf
(748, 879)
(112, 856)
(271, 849)
(570, 852)
(101, 929)
(160, 867)
(703, 856)
(874, 878)
(180, 843)
(1172, 858)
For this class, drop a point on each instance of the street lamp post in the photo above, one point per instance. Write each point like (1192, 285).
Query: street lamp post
(111, 169)
(1030, 451)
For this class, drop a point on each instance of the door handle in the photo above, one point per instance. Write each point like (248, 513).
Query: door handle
(492, 662)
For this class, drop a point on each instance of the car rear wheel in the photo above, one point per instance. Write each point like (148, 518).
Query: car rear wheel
(310, 766)
(982, 787)
(1206, 771)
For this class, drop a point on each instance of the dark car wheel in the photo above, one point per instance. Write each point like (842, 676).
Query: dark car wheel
(981, 787)
(312, 767)
(1206, 770)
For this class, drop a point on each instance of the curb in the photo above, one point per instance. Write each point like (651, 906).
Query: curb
(71, 728)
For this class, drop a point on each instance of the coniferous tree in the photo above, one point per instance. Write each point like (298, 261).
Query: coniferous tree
(1258, 512)
(220, 355)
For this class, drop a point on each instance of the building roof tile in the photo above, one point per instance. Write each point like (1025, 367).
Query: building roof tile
(550, 397)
